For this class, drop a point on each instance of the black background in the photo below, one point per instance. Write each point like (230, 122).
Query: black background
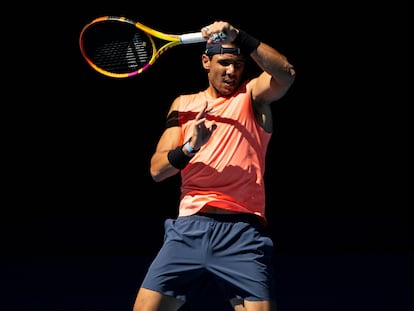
(83, 218)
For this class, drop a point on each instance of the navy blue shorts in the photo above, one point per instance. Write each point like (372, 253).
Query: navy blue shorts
(230, 250)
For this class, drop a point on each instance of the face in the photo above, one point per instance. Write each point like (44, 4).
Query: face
(224, 72)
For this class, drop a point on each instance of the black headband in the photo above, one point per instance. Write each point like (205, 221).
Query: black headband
(212, 49)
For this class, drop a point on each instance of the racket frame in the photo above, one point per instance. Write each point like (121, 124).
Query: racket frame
(170, 39)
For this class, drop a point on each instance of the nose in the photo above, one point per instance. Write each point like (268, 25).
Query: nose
(230, 68)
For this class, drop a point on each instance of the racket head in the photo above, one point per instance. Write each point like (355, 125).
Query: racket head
(119, 47)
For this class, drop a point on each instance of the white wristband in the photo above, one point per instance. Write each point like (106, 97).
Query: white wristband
(189, 148)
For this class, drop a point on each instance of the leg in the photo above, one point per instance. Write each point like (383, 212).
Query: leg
(259, 306)
(149, 300)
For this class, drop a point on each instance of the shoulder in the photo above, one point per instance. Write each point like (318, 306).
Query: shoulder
(181, 102)
(187, 101)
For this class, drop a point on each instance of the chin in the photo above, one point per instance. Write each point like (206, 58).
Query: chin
(227, 90)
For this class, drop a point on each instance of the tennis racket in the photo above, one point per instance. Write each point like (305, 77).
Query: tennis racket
(119, 47)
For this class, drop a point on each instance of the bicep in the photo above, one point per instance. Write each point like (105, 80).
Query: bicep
(266, 89)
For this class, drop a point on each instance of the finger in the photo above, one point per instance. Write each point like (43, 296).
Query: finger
(200, 122)
(218, 37)
(200, 114)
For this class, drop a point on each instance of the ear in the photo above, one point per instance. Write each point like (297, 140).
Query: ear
(205, 60)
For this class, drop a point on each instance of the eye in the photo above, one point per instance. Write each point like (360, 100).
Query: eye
(224, 63)
(238, 65)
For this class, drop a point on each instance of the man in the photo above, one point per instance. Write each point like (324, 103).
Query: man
(217, 140)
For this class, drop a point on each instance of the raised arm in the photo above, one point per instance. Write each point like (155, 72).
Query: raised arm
(278, 74)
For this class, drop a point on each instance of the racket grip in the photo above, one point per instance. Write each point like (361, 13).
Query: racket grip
(194, 37)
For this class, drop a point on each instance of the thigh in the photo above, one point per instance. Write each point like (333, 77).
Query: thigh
(259, 306)
(179, 262)
(243, 257)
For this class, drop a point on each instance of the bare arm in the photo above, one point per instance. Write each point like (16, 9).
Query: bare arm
(277, 76)
(161, 168)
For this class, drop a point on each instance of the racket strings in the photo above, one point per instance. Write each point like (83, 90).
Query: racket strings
(138, 54)
(118, 50)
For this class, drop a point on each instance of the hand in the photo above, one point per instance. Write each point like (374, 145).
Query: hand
(219, 33)
(201, 133)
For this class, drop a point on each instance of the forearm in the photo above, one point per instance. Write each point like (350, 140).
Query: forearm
(161, 168)
(266, 57)
(274, 63)
(168, 163)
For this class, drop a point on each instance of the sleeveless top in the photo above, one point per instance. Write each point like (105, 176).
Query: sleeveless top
(228, 170)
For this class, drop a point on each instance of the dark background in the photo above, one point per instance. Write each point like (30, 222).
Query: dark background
(83, 218)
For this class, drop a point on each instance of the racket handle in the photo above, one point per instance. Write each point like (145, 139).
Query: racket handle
(194, 37)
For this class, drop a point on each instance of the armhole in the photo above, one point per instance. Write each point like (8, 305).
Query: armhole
(172, 119)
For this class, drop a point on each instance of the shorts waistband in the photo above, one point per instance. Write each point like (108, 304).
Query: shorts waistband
(239, 217)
